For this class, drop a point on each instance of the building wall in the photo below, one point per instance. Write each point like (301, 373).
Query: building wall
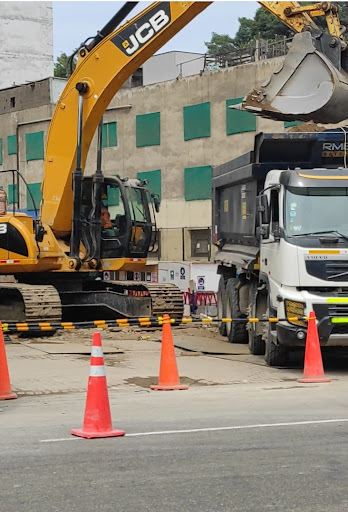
(26, 42)
(159, 111)
(171, 65)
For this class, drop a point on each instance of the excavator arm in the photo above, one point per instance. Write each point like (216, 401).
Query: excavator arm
(311, 83)
(100, 73)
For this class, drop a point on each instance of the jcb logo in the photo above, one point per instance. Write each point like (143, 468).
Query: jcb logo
(133, 38)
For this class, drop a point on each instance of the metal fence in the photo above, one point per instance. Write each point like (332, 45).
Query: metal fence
(256, 51)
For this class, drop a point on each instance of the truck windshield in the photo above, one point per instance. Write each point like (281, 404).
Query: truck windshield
(310, 211)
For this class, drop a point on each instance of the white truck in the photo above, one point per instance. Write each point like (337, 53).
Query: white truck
(280, 222)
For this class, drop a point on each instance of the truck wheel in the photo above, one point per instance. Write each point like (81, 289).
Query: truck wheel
(256, 343)
(221, 305)
(236, 331)
(275, 355)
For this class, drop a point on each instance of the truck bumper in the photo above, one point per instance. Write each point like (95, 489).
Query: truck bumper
(326, 311)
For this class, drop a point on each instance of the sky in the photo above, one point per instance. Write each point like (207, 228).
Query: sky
(73, 22)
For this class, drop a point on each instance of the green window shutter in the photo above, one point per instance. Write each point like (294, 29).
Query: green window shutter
(0, 151)
(105, 136)
(34, 146)
(196, 121)
(11, 144)
(12, 193)
(109, 135)
(113, 196)
(154, 181)
(112, 135)
(148, 130)
(35, 189)
(238, 121)
(197, 181)
(288, 124)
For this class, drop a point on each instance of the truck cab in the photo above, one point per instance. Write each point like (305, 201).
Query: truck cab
(281, 230)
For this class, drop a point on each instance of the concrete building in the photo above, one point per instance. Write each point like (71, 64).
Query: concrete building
(171, 133)
(171, 65)
(26, 42)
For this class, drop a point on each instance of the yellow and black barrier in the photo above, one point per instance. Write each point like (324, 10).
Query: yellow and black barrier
(132, 322)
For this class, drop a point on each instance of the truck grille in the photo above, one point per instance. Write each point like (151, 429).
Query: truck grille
(329, 270)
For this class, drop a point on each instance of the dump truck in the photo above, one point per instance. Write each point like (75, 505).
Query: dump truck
(280, 226)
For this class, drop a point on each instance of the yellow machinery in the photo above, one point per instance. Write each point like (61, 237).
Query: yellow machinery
(59, 260)
(311, 83)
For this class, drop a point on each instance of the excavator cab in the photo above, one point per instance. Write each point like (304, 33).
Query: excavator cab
(116, 218)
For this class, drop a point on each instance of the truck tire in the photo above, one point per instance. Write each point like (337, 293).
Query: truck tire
(256, 343)
(236, 331)
(221, 305)
(275, 355)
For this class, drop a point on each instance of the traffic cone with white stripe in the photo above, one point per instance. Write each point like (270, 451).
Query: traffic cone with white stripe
(97, 420)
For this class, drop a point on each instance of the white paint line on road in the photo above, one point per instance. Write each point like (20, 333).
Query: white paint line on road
(213, 429)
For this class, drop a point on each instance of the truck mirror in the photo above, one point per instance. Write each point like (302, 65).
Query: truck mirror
(263, 232)
(263, 208)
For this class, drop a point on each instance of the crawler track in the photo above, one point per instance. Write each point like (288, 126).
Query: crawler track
(29, 303)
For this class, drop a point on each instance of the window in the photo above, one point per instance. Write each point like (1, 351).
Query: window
(288, 124)
(13, 102)
(274, 210)
(11, 144)
(34, 146)
(200, 243)
(109, 137)
(12, 194)
(35, 189)
(148, 130)
(0, 151)
(197, 181)
(238, 121)
(154, 179)
(196, 121)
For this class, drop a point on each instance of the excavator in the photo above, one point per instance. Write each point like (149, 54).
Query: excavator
(61, 258)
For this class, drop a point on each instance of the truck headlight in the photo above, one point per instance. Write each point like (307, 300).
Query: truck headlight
(295, 309)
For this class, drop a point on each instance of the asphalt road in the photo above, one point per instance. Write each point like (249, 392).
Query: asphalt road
(264, 449)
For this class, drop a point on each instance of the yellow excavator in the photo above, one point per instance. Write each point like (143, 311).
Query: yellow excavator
(59, 260)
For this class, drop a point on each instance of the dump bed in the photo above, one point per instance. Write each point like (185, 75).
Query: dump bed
(236, 183)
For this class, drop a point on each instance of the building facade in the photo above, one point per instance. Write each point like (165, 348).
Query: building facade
(170, 133)
(26, 42)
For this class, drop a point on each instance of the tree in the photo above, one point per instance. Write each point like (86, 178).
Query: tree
(220, 44)
(61, 66)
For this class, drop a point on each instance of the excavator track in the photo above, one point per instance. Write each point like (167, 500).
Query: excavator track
(166, 299)
(29, 303)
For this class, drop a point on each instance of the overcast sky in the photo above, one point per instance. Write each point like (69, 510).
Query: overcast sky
(73, 22)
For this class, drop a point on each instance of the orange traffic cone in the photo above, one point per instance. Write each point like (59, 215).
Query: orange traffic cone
(168, 376)
(5, 386)
(313, 363)
(97, 420)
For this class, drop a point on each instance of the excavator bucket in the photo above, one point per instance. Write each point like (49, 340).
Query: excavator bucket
(307, 87)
